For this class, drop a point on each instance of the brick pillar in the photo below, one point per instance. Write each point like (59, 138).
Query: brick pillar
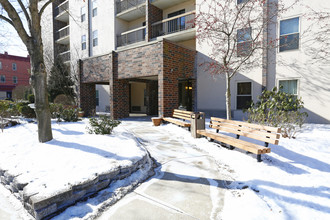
(154, 14)
(88, 98)
(119, 92)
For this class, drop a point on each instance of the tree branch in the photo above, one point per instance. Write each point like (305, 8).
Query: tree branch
(7, 20)
(15, 21)
(44, 7)
(25, 11)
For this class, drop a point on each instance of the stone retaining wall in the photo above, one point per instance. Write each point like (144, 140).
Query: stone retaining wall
(42, 207)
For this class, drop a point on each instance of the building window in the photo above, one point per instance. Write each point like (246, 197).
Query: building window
(289, 34)
(177, 24)
(14, 66)
(94, 12)
(289, 86)
(0, 65)
(95, 39)
(244, 42)
(2, 79)
(15, 79)
(241, 1)
(83, 42)
(97, 98)
(244, 95)
(82, 14)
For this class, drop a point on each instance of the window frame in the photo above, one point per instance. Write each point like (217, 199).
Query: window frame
(15, 79)
(83, 13)
(83, 42)
(2, 79)
(95, 38)
(244, 43)
(94, 8)
(14, 66)
(97, 97)
(279, 34)
(243, 95)
(290, 79)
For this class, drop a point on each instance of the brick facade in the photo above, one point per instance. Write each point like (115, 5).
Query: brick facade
(154, 14)
(164, 60)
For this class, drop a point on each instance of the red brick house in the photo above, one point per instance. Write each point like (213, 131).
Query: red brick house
(14, 71)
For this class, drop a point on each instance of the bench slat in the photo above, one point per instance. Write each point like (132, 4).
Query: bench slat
(256, 126)
(253, 148)
(249, 135)
(177, 121)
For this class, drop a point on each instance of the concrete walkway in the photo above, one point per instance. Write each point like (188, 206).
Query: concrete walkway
(188, 183)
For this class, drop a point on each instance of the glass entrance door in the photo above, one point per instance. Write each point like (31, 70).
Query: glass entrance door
(185, 95)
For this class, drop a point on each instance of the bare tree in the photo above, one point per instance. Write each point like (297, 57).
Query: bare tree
(237, 32)
(25, 17)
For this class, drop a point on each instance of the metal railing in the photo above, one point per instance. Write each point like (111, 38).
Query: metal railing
(61, 8)
(65, 56)
(127, 4)
(62, 33)
(171, 25)
(131, 37)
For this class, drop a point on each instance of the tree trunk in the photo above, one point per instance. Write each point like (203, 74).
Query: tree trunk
(228, 97)
(39, 84)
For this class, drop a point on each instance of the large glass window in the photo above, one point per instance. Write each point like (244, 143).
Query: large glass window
(289, 86)
(94, 12)
(244, 41)
(241, 1)
(83, 13)
(289, 34)
(2, 79)
(95, 38)
(177, 24)
(244, 95)
(0, 65)
(83, 42)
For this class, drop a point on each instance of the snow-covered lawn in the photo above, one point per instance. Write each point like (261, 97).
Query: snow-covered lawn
(72, 157)
(292, 182)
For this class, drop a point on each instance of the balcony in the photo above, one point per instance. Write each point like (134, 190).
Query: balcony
(164, 4)
(131, 37)
(62, 36)
(61, 12)
(65, 56)
(130, 10)
(178, 28)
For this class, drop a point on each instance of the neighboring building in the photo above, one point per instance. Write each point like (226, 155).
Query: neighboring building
(14, 71)
(142, 56)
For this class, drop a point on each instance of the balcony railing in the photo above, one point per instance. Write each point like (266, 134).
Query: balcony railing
(62, 33)
(127, 4)
(61, 8)
(172, 25)
(131, 37)
(65, 56)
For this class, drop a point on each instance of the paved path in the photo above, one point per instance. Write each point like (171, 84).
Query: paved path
(187, 184)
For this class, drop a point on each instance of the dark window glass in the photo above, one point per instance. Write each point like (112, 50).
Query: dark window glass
(289, 34)
(244, 95)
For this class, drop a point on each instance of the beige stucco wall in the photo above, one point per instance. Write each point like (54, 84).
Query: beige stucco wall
(137, 95)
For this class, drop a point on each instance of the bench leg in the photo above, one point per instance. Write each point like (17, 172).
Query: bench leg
(231, 147)
(188, 128)
(259, 157)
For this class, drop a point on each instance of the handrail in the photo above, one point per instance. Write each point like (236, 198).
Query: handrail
(64, 6)
(133, 30)
(175, 17)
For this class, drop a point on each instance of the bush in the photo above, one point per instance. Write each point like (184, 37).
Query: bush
(26, 111)
(278, 109)
(102, 125)
(65, 113)
(64, 100)
(69, 114)
(30, 98)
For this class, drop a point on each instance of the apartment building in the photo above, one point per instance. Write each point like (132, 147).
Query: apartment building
(14, 71)
(142, 56)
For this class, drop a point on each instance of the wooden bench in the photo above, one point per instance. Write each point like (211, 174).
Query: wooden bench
(180, 117)
(266, 134)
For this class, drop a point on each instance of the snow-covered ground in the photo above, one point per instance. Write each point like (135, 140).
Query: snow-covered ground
(292, 182)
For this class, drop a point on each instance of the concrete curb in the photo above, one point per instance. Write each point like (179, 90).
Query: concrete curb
(42, 207)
